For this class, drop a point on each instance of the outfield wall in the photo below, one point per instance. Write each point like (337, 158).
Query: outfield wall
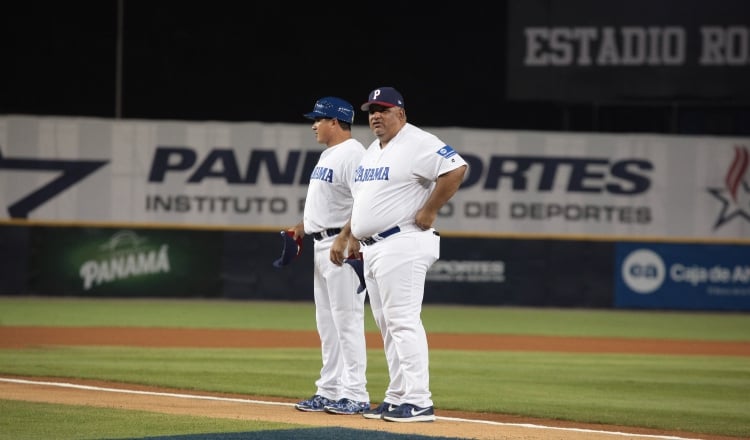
(99, 207)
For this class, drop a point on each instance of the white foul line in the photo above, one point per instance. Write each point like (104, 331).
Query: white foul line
(263, 402)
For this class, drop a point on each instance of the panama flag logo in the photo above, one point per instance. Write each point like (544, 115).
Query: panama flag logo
(735, 196)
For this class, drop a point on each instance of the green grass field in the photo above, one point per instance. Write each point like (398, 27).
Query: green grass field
(701, 394)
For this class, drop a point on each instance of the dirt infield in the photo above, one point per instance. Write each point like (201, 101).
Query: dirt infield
(449, 423)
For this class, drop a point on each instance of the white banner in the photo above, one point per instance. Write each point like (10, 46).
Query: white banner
(255, 175)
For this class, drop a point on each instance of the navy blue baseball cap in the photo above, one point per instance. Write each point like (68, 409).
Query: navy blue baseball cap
(385, 96)
(291, 248)
(332, 108)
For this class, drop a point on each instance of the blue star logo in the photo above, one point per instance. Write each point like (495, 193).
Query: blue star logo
(735, 197)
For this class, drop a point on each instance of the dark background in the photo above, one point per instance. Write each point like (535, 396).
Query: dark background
(251, 61)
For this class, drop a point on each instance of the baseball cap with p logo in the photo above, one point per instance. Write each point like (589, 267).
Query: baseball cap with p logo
(332, 108)
(384, 96)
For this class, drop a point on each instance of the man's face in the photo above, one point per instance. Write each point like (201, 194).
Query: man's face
(385, 122)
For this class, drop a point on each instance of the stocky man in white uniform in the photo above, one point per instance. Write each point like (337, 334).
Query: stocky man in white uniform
(404, 178)
(339, 310)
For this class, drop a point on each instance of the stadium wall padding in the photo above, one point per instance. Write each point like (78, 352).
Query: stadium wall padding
(149, 262)
(87, 261)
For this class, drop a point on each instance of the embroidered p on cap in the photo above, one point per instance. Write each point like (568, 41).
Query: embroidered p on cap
(385, 96)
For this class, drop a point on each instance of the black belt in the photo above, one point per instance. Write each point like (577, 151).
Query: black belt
(369, 241)
(327, 233)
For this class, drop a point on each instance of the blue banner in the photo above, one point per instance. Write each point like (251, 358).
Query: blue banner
(682, 276)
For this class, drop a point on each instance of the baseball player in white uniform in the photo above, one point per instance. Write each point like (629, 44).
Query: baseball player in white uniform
(404, 178)
(339, 310)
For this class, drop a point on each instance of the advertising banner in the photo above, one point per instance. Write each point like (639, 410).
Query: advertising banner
(254, 176)
(555, 273)
(590, 50)
(682, 276)
(125, 262)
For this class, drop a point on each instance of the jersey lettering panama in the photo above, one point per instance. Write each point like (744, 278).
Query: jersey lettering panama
(329, 198)
(363, 175)
(384, 180)
(322, 173)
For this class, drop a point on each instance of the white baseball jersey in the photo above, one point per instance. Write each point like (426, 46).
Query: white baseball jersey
(385, 194)
(329, 195)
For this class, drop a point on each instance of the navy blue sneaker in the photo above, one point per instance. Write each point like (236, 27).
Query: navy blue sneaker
(346, 407)
(377, 412)
(410, 413)
(314, 404)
